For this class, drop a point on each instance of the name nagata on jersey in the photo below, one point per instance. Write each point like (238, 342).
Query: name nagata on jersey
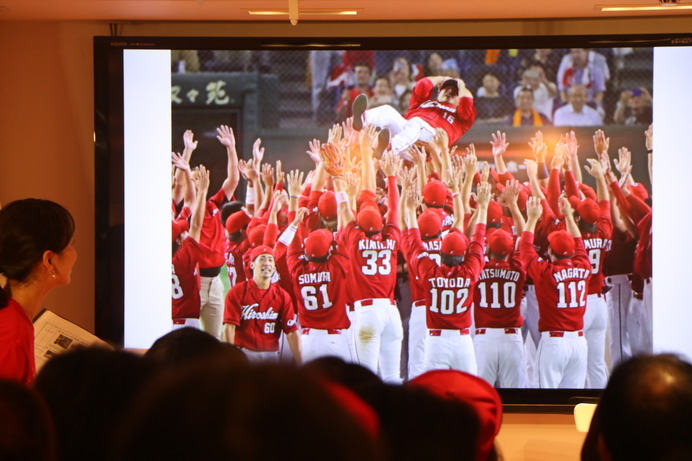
(376, 244)
(317, 277)
(572, 273)
(497, 273)
(454, 282)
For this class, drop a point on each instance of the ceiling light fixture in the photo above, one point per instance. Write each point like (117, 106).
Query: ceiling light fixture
(293, 12)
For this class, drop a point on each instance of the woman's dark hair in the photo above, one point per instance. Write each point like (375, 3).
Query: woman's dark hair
(29, 228)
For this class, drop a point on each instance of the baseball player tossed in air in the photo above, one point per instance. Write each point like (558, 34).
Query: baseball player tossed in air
(452, 110)
(449, 289)
(257, 311)
(561, 289)
(372, 248)
(187, 251)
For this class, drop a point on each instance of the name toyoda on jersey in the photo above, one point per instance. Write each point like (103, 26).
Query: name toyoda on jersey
(317, 277)
(249, 313)
(497, 273)
(572, 273)
(454, 282)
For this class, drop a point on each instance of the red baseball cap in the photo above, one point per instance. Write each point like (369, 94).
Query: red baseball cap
(454, 244)
(494, 212)
(588, 210)
(435, 193)
(318, 242)
(588, 191)
(429, 223)
(260, 250)
(366, 198)
(639, 191)
(237, 221)
(369, 219)
(256, 235)
(561, 242)
(179, 226)
(473, 391)
(500, 242)
(327, 206)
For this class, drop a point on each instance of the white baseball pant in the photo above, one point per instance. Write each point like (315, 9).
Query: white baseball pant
(562, 360)
(640, 325)
(404, 133)
(450, 349)
(500, 356)
(323, 343)
(595, 327)
(378, 333)
(416, 339)
(211, 301)
(618, 299)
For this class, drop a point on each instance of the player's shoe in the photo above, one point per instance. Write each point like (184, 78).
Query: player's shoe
(359, 106)
(382, 143)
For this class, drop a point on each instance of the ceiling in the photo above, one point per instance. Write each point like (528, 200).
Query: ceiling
(371, 10)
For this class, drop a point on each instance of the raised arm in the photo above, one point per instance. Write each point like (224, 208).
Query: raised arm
(568, 213)
(391, 164)
(595, 169)
(510, 196)
(202, 181)
(367, 137)
(470, 163)
(499, 147)
(345, 212)
(226, 137)
(184, 188)
(189, 147)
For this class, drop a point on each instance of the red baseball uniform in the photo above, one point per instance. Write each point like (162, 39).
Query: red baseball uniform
(561, 287)
(597, 245)
(259, 315)
(320, 289)
(454, 120)
(186, 282)
(449, 290)
(498, 294)
(213, 235)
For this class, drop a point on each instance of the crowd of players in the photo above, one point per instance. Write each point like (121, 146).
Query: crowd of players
(524, 285)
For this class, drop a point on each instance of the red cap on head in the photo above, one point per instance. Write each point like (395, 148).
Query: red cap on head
(260, 250)
(473, 391)
(429, 223)
(317, 244)
(588, 191)
(561, 242)
(369, 219)
(435, 193)
(179, 226)
(327, 206)
(256, 235)
(237, 221)
(454, 244)
(500, 242)
(588, 210)
(639, 191)
(365, 198)
(494, 212)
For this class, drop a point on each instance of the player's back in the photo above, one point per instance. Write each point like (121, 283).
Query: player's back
(498, 294)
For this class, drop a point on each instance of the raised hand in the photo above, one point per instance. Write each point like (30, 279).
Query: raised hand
(511, 192)
(280, 201)
(336, 134)
(179, 162)
(300, 215)
(485, 172)
(565, 206)
(470, 161)
(367, 137)
(202, 178)
(558, 160)
(531, 168)
(225, 136)
(499, 143)
(314, 151)
(483, 197)
(390, 163)
(188, 141)
(594, 168)
(623, 161)
(295, 183)
(538, 146)
(534, 209)
(268, 175)
(600, 142)
(280, 175)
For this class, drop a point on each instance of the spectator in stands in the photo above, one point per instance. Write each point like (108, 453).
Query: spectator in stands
(645, 412)
(526, 115)
(405, 101)
(491, 105)
(634, 107)
(321, 64)
(433, 64)
(583, 68)
(544, 91)
(450, 68)
(37, 253)
(362, 73)
(548, 58)
(401, 77)
(576, 112)
(382, 93)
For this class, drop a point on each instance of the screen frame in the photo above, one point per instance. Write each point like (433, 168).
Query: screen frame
(109, 153)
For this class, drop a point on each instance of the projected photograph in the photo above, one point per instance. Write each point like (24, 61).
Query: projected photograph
(485, 210)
